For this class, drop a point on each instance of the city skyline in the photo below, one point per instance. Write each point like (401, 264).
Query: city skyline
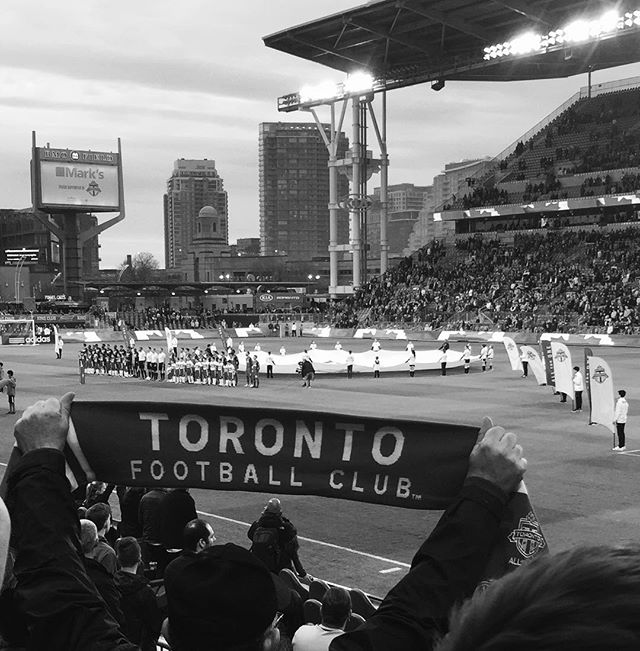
(194, 81)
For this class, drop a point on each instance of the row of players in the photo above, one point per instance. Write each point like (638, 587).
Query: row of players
(184, 365)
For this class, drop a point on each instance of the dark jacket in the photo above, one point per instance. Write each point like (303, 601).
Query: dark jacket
(306, 368)
(58, 600)
(176, 509)
(149, 514)
(142, 617)
(105, 582)
(287, 539)
(129, 505)
(446, 570)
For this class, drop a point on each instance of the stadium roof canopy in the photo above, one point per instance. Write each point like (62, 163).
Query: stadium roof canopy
(406, 42)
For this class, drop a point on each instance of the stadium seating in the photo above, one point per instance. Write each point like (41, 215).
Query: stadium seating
(595, 134)
(569, 280)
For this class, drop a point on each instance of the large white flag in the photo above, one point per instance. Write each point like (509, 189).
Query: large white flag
(600, 388)
(530, 355)
(562, 368)
(512, 352)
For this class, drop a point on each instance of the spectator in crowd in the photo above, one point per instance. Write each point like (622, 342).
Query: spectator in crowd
(275, 540)
(176, 509)
(335, 611)
(100, 515)
(129, 498)
(149, 515)
(450, 563)
(142, 617)
(197, 535)
(582, 598)
(222, 598)
(102, 578)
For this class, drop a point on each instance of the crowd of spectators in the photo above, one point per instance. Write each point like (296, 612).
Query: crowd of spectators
(598, 185)
(571, 280)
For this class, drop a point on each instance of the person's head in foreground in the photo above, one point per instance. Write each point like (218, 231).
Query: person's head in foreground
(222, 598)
(587, 598)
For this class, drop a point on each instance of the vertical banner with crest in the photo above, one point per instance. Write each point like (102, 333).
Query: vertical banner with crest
(562, 369)
(600, 390)
(512, 353)
(535, 363)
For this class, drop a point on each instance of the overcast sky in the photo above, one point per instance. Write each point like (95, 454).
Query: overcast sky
(193, 79)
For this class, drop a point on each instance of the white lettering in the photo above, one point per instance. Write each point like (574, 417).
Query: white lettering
(272, 481)
(332, 479)
(135, 467)
(313, 441)
(203, 465)
(349, 429)
(354, 484)
(292, 478)
(155, 427)
(231, 429)
(404, 487)
(203, 438)
(226, 472)
(377, 489)
(181, 476)
(251, 474)
(157, 469)
(376, 450)
(263, 449)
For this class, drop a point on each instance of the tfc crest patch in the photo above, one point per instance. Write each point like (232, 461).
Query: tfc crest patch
(531, 355)
(93, 189)
(561, 356)
(600, 375)
(528, 538)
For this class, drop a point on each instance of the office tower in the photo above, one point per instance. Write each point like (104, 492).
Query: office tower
(294, 190)
(189, 231)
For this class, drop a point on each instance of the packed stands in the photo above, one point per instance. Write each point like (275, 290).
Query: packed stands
(594, 134)
(571, 280)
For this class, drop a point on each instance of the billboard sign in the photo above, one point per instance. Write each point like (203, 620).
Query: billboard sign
(75, 179)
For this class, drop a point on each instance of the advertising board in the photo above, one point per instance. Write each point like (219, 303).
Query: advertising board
(68, 178)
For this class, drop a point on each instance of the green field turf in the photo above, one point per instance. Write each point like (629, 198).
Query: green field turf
(582, 492)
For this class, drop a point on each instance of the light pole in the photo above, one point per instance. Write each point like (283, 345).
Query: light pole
(17, 276)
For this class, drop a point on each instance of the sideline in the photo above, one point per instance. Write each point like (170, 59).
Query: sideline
(309, 540)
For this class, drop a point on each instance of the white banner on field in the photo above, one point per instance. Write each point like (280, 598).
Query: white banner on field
(562, 368)
(512, 352)
(532, 357)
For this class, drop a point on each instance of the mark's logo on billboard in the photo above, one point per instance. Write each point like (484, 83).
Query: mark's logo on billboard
(75, 173)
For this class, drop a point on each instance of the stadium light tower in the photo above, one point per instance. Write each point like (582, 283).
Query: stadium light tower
(358, 89)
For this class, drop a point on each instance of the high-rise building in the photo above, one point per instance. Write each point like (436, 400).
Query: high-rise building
(404, 203)
(192, 234)
(294, 190)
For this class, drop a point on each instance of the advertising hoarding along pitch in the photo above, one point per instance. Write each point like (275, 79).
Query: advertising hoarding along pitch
(77, 179)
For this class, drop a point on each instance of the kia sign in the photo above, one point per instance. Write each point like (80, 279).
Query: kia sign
(266, 298)
(74, 179)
